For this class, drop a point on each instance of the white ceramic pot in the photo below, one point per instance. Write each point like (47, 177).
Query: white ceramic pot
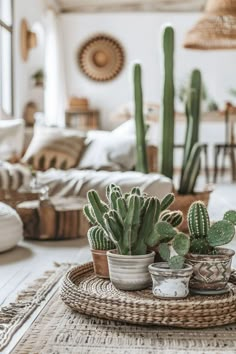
(130, 272)
(11, 228)
(170, 283)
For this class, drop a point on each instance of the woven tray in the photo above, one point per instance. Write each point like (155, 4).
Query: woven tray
(82, 291)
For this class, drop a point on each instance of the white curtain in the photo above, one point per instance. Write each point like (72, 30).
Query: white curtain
(55, 87)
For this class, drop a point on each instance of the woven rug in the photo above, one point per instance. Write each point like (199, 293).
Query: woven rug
(58, 330)
(28, 300)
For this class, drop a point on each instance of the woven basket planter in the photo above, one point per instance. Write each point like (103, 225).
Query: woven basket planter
(82, 291)
(183, 202)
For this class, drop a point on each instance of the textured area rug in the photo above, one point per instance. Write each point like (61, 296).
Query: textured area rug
(60, 330)
(15, 314)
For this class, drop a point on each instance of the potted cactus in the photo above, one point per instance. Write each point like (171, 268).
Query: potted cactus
(130, 221)
(171, 278)
(211, 264)
(99, 245)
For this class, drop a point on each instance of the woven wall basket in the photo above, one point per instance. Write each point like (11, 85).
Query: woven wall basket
(101, 58)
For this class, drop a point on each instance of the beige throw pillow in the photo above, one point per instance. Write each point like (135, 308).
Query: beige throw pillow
(54, 147)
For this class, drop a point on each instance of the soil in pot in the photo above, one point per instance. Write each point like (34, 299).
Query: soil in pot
(128, 272)
(100, 263)
(170, 283)
(211, 273)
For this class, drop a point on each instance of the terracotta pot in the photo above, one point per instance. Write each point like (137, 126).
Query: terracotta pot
(130, 272)
(170, 283)
(100, 263)
(182, 202)
(210, 272)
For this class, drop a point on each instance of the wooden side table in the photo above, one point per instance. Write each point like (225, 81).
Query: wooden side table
(82, 119)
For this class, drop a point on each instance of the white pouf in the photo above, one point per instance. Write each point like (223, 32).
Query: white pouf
(11, 227)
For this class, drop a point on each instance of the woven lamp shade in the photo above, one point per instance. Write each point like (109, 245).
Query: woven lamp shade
(216, 29)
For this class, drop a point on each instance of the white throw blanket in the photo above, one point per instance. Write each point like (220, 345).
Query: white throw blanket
(78, 183)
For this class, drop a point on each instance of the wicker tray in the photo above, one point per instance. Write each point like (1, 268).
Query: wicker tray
(82, 291)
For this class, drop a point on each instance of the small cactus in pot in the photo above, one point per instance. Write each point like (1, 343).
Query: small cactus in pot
(130, 222)
(211, 263)
(171, 278)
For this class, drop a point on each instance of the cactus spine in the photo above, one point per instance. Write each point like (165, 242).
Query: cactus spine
(192, 149)
(204, 238)
(141, 152)
(131, 221)
(167, 106)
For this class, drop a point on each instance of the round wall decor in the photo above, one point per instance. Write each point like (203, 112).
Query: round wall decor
(101, 58)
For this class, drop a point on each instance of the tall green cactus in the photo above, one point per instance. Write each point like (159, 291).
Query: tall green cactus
(141, 152)
(204, 238)
(132, 221)
(192, 149)
(167, 104)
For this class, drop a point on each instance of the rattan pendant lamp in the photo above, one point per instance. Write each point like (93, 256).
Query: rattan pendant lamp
(216, 29)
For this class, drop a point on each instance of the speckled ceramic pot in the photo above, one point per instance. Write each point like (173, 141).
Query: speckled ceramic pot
(210, 272)
(170, 283)
(130, 272)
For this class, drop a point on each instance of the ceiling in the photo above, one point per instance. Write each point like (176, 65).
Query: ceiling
(130, 5)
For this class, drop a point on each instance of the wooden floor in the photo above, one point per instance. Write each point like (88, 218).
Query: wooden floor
(29, 260)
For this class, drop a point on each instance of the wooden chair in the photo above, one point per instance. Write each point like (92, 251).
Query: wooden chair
(228, 147)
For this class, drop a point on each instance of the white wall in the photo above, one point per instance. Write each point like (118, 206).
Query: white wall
(140, 35)
(33, 12)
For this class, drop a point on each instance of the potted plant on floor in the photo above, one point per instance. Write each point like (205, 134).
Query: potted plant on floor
(99, 245)
(130, 221)
(186, 193)
(211, 264)
(171, 278)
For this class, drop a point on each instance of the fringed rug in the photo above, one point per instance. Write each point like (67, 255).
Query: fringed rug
(13, 316)
(58, 330)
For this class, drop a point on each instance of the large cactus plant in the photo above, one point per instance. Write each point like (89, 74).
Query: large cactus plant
(205, 237)
(132, 221)
(141, 152)
(192, 148)
(167, 104)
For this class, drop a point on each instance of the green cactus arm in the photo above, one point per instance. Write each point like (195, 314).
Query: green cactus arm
(220, 233)
(191, 171)
(121, 207)
(176, 262)
(230, 215)
(136, 190)
(132, 222)
(164, 251)
(167, 121)
(198, 220)
(148, 218)
(162, 232)
(142, 162)
(115, 234)
(99, 208)
(88, 214)
(181, 244)
(175, 218)
(167, 201)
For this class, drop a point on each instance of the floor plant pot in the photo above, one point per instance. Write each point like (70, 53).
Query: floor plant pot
(170, 283)
(130, 272)
(100, 263)
(211, 273)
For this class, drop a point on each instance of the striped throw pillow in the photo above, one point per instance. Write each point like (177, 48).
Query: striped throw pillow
(54, 147)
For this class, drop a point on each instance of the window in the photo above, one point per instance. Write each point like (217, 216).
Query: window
(6, 64)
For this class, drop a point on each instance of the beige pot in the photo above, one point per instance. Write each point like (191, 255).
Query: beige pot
(130, 272)
(210, 272)
(100, 263)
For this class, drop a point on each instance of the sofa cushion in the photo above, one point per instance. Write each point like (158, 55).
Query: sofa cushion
(108, 151)
(54, 147)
